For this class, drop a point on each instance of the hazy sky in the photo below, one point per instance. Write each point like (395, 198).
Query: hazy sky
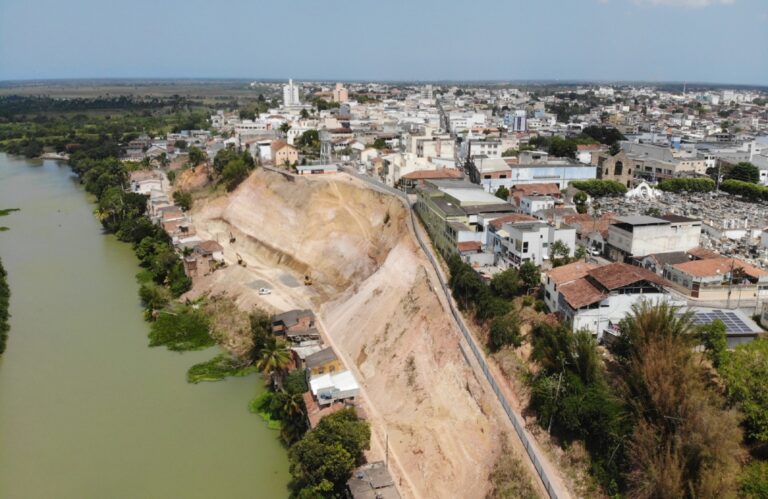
(682, 40)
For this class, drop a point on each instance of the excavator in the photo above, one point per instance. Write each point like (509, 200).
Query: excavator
(307, 280)
(240, 260)
(232, 238)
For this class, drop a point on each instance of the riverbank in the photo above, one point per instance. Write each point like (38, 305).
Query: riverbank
(83, 401)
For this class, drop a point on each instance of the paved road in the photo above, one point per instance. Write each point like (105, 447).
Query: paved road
(550, 479)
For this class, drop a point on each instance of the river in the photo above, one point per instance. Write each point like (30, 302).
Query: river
(87, 409)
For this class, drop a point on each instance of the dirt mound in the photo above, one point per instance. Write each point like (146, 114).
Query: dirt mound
(192, 179)
(373, 293)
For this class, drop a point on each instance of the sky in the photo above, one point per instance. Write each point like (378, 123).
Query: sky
(716, 41)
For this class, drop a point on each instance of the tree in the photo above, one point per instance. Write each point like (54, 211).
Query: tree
(744, 171)
(505, 330)
(559, 253)
(284, 127)
(745, 371)
(562, 148)
(310, 139)
(196, 156)
(530, 276)
(323, 460)
(380, 143)
(234, 173)
(614, 149)
(683, 444)
(304, 114)
(274, 360)
(712, 337)
(502, 193)
(261, 332)
(580, 200)
(506, 283)
(183, 200)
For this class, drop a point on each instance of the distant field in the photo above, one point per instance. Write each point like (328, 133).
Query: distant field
(203, 90)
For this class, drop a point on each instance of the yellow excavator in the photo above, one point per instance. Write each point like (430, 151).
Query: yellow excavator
(240, 260)
(307, 280)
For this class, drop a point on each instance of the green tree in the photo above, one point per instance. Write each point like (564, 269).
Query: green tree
(274, 361)
(234, 172)
(180, 144)
(196, 156)
(713, 338)
(506, 284)
(505, 331)
(530, 275)
(304, 114)
(744, 171)
(580, 200)
(502, 193)
(745, 371)
(285, 126)
(614, 149)
(183, 200)
(559, 253)
(380, 143)
(754, 481)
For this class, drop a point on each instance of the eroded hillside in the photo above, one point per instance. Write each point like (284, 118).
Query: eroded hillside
(376, 302)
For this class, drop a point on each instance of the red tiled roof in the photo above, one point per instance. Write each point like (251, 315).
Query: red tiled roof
(590, 147)
(209, 246)
(571, 272)
(719, 266)
(618, 275)
(468, 246)
(580, 293)
(702, 253)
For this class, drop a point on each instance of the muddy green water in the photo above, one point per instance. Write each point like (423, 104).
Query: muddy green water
(87, 409)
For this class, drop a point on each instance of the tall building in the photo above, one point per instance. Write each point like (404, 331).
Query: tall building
(340, 94)
(515, 121)
(291, 94)
(427, 92)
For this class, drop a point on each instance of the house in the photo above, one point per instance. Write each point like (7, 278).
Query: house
(720, 279)
(332, 387)
(739, 327)
(372, 481)
(284, 154)
(518, 242)
(293, 321)
(316, 412)
(563, 275)
(618, 167)
(602, 297)
(640, 235)
(322, 362)
(211, 250)
(656, 262)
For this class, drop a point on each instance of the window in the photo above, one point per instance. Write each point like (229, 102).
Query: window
(525, 247)
(618, 168)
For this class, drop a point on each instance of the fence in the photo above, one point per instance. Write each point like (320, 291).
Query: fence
(511, 414)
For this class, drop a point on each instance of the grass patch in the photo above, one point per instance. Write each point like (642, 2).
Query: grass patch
(218, 368)
(260, 405)
(183, 329)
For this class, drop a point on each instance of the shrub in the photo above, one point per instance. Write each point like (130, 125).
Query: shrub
(687, 184)
(600, 188)
(185, 329)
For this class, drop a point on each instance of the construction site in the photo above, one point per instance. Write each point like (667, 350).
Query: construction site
(377, 301)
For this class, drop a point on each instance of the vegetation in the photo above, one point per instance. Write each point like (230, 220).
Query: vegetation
(600, 188)
(687, 184)
(187, 328)
(323, 460)
(5, 296)
(754, 481)
(232, 167)
(218, 368)
(712, 337)
(745, 371)
(505, 331)
(750, 191)
(183, 200)
(530, 276)
(509, 476)
(744, 171)
(471, 292)
(502, 193)
(580, 200)
(560, 254)
(604, 135)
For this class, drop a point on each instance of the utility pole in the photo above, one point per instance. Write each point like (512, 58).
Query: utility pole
(730, 284)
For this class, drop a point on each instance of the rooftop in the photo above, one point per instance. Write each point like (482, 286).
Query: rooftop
(571, 271)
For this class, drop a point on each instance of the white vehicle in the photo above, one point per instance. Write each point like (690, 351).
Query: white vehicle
(265, 291)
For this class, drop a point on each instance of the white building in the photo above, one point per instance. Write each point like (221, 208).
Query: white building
(519, 242)
(515, 121)
(291, 94)
(532, 204)
(640, 235)
(332, 387)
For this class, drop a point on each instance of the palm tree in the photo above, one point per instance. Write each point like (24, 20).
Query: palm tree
(274, 359)
(293, 415)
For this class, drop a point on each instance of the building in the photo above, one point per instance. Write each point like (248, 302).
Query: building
(451, 211)
(334, 387)
(291, 95)
(616, 167)
(316, 169)
(372, 481)
(515, 243)
(739, 328)
(294, 323)
(339, 93)
(563, 275)
(719, 279)
(640, 235)
(322, 362)
(602, 297)
(284, 154)
(515, 121)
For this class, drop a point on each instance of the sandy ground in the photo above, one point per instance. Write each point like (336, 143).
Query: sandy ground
(378, 310)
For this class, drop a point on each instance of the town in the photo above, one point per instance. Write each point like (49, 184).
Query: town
(616, 196)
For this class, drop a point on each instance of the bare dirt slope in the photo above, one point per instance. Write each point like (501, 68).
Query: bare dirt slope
(376, 303)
